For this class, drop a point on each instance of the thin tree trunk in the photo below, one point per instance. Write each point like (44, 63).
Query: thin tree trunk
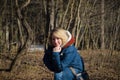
(102, 24)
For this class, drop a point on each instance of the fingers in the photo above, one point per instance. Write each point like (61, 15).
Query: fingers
(57, 49)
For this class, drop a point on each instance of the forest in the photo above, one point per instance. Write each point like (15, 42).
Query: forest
(95, 24)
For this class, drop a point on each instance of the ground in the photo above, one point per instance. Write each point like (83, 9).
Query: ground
(100, 65)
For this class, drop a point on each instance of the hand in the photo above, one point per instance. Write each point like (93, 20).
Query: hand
(57, 49)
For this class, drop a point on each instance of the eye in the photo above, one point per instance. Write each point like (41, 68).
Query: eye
(57, 38)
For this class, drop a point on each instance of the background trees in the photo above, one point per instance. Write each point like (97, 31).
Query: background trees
(94, 23)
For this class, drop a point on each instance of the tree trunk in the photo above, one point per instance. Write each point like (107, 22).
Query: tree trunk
(102, 25)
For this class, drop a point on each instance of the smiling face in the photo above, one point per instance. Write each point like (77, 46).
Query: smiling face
(56, 41)
(58, 37)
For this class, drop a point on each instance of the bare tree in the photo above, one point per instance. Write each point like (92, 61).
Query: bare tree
(102, 24)
(24, 42)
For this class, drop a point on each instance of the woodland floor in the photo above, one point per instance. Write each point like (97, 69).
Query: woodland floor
(100, 65)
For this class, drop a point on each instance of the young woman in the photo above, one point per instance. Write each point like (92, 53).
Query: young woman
(62, 55)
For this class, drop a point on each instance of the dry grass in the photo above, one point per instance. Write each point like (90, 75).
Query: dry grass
(101, 65)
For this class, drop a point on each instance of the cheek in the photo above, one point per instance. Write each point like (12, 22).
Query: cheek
(60, 42)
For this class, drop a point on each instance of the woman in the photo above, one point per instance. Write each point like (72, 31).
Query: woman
(62, 55)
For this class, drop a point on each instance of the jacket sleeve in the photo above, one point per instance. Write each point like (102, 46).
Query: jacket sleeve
(66, 60)
(47, 59)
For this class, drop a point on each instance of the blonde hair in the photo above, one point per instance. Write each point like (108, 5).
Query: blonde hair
(60, 33)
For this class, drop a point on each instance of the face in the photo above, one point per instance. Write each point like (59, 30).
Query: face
(56, 41)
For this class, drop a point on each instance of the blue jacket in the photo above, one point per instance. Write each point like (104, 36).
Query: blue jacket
(61, 61)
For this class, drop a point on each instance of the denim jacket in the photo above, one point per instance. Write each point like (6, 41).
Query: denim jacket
(59, 61)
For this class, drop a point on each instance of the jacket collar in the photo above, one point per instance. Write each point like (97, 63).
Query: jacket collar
(70, 42)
